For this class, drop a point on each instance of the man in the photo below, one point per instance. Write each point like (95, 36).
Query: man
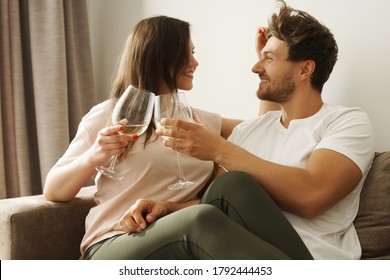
(310, 157)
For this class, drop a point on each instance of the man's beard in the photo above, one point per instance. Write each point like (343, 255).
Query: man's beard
(278, 93)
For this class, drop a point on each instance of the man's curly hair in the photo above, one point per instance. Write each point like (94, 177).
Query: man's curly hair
(307, 39)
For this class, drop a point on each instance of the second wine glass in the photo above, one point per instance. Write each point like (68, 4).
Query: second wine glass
(174, 105)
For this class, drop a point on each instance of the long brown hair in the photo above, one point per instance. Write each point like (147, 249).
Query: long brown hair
(156, 51)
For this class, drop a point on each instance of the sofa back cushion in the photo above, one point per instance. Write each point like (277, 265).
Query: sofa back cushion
(373, 219)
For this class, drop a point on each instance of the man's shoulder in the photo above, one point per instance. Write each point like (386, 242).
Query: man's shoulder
(340, 113)
(268, 117)
(256, 125)
(340, 110)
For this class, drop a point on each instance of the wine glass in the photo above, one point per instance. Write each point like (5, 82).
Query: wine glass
(173, 105)
(133, 110)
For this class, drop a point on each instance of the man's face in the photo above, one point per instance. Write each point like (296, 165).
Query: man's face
(275, 71)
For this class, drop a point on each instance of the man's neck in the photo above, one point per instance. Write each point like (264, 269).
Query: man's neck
(300, 107)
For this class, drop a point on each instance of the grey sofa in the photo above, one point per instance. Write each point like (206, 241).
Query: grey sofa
(33, 228)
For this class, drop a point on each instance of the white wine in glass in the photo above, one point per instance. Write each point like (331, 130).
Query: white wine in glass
(133, 110)
(174, 105)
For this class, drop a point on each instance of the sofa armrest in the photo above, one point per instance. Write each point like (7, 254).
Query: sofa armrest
(372, 222)
(33, 228)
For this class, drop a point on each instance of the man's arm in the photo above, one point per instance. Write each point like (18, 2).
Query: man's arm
(328, 178)
(227, 126)
(266, 106)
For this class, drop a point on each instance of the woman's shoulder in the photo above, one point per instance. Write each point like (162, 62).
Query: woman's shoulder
(99, 113)
(103, 108)
(98, 117)
(211, 119)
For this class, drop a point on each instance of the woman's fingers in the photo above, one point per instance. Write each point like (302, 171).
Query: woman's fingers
(142, 213)
(110, 130)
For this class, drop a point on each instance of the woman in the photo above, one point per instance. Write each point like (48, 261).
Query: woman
(157, 56)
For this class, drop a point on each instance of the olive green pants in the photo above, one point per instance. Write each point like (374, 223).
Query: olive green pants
(236, 219)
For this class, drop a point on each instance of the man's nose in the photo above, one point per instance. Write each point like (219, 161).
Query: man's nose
(258, 67)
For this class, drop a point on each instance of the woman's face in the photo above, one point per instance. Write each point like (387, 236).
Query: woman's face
(184, 81)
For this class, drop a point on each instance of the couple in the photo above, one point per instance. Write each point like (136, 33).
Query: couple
(287, 184)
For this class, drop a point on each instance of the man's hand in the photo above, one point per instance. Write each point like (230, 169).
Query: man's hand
(191, 138)
(261, 40)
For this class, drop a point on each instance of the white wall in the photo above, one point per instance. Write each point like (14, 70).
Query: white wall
(223, 33)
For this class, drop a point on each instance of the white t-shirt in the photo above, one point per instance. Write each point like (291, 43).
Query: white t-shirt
(148, 170)
(348, 131)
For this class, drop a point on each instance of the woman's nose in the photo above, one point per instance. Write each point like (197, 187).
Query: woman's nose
(194, 62)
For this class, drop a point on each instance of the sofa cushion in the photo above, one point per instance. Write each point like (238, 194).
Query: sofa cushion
(33, 228)
(373, 219)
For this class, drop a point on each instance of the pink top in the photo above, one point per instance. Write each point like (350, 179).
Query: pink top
(147, 173)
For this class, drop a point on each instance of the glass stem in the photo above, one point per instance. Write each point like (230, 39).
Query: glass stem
(181, 173)
(112, 165)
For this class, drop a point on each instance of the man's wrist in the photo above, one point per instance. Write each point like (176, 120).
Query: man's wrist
(224, 153)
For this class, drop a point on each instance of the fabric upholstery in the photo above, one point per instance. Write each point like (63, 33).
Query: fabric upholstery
(33, 228)
(373, 220)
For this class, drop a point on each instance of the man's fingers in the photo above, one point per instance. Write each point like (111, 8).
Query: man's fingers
(175, 128)
(182, 124)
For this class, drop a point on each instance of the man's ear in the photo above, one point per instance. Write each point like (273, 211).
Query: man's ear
(308, 67)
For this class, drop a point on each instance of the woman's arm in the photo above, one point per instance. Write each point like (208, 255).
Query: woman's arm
(63, 182)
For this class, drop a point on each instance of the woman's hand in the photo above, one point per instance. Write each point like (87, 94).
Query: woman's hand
(109, 142)
(143, 213)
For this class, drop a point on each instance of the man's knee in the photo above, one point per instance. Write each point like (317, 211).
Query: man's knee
(202, 215)
(230, 183)
(234, 179)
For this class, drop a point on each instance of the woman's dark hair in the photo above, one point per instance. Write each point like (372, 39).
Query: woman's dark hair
(156, 51)
(307, 39)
